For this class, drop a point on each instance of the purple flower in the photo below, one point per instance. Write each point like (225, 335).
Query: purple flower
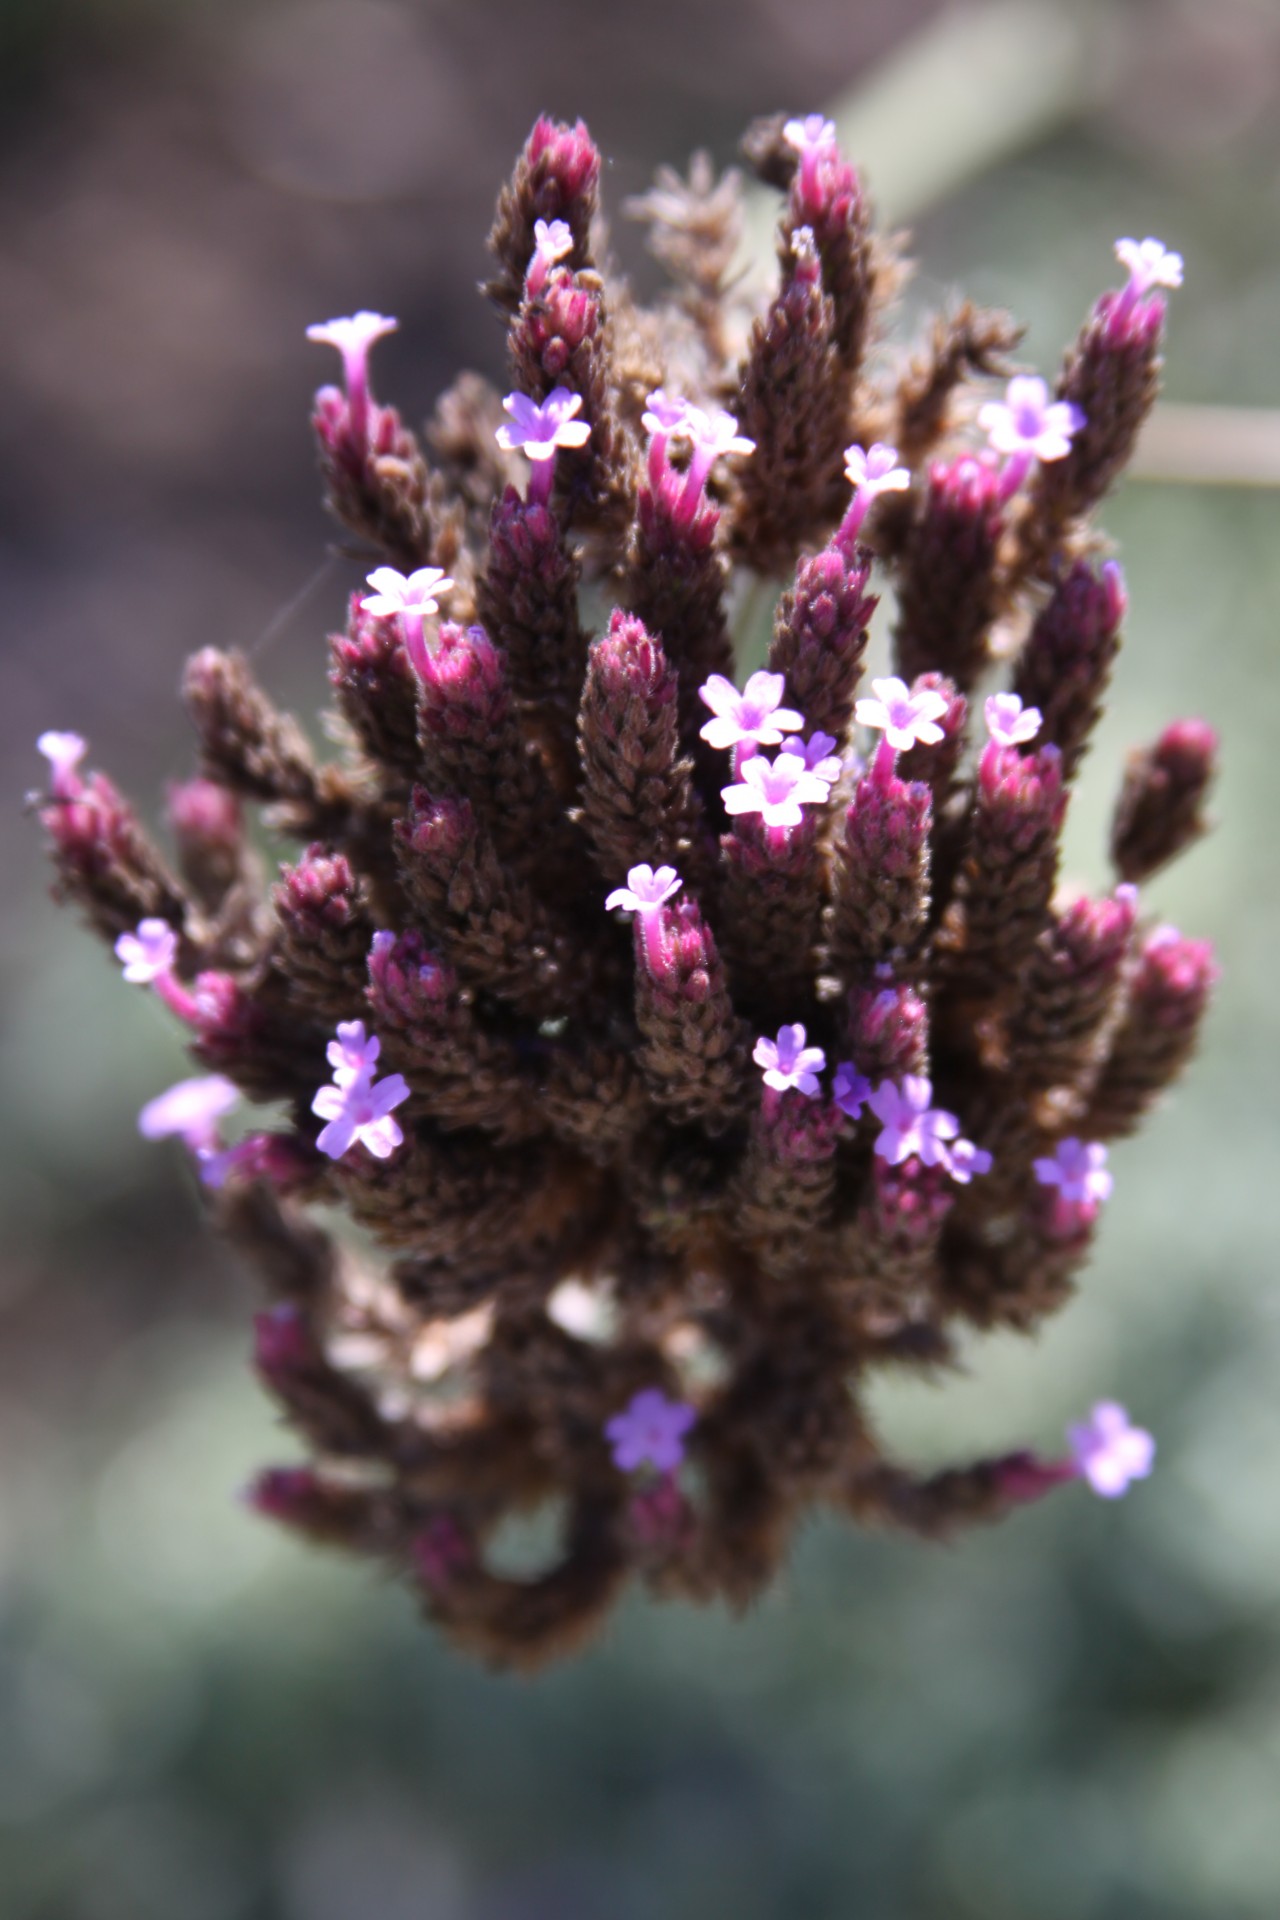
(1009, 723)
(646, 889)
(851, 1089)
(816, 752)
(787, 1062)
(1151, 264)
(1078, 1169)
(552, 240)
(410, 598)
(754, 717)
(964, 1160)
(777, 790)
(351, 1054)
(712, 434)
(353, 337)
(650, 1431)
(813, 138)
(870, 471)
(1109, 1451)
(64, 752)
(148, 953)
(1027, 423)
(665, 414)
(539, 431)
(906, 717)
(909, 1125)
(361, 1111)
(191, 1109)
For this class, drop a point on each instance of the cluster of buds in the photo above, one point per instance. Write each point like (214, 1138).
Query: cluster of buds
(690, 1048)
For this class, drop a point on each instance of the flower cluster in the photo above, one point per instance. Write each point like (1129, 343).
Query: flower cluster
(684, 1064)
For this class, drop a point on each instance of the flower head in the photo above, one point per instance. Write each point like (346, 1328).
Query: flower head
(872, 470)
(713, 433)
(909, 1125)
(787, 1062)
(148, 953)
(646, 889)
(359, 1110)
(354, 334)
(1078, 1169)
(904, 716)
(819, 755)
(1026, 421)
(1109, 1451)
(1009, 723)
(352, 1054)
(398, 593)
(755, 716)
(552, 241)
(777, 790)
(191, 1109)
(851, 1089)
(650, 1431)
(812, 134)
(665, 413)
(64, 752)
(964, 1160)
(1151, 264)
(537, 431)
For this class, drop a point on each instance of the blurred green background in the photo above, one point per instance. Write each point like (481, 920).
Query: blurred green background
(1073, 1717)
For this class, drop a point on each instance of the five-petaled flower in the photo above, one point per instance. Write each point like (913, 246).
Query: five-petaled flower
(1009, 723)
(870, 471)
(352, 1053)
(1151, 264)
(964, 1160)
(1078, 1169)
(850, 1089)
(646, 890)
(191, 1110)
(819, 755)
(650, 1431)
(353, 336)
(753, 718)
(1026, 425)
(909, 1125)
(904, 716)
(539, 431)
(777, 790)
(360, 1110)
(787, 1062)
(410, 598)
(552, 240)
(64, 752)
(1109, 1451)
(148, 953)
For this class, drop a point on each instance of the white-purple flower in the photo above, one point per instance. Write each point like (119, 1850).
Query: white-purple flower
(851, 1090)
(148, 953)
(905, 717)
(1151, 264)
(650, 1431)
(540, 431)
(646, 890)
(1078, 1169)
(1026, 422)
(191, 1110)
(665, 413)
(360, 1112)
(64, 752)
(909, 1124)
(754, 717)
(353, 336)
(1109, 1451)
(353, 1053)
(812, 134)
(410, 598)
(787, 1062)
(818, 757)
(777, 790)
(870, 471)
(964, 1160)
(552, 240)
(1009, 723)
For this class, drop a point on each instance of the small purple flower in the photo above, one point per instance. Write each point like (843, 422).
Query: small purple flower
(816, 752)
(851, 1089)
(909, 1125)
(64, 752)
(361, 1111)
(712, 434)
(1026, 423)
(787, 1062)
(410, 598)
(1078, 1169)
(813, 138)
(353, 337)
(665, 414)
(650, 1431)
(1009, 723)
(777, 790)
(191, 1110)
(539, 431)
(870, 471)
(1109, 1451)
(755, 717)
(552, 240)
(964, 1160)
(148, 953)
(905, 717)
(352, 1054)
(646, 889)
(1151, 264)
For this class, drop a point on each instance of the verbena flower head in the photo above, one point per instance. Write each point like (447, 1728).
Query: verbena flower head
(778, 790)
(531, 1102)
(649, 1432)
(1109, 1451)
(1151, 264)
(907, 719)
(789, 1063)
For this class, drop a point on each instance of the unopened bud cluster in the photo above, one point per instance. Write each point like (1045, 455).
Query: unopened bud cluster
(692, 1042)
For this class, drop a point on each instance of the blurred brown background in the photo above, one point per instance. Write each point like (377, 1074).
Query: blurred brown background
(1076, 1716)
